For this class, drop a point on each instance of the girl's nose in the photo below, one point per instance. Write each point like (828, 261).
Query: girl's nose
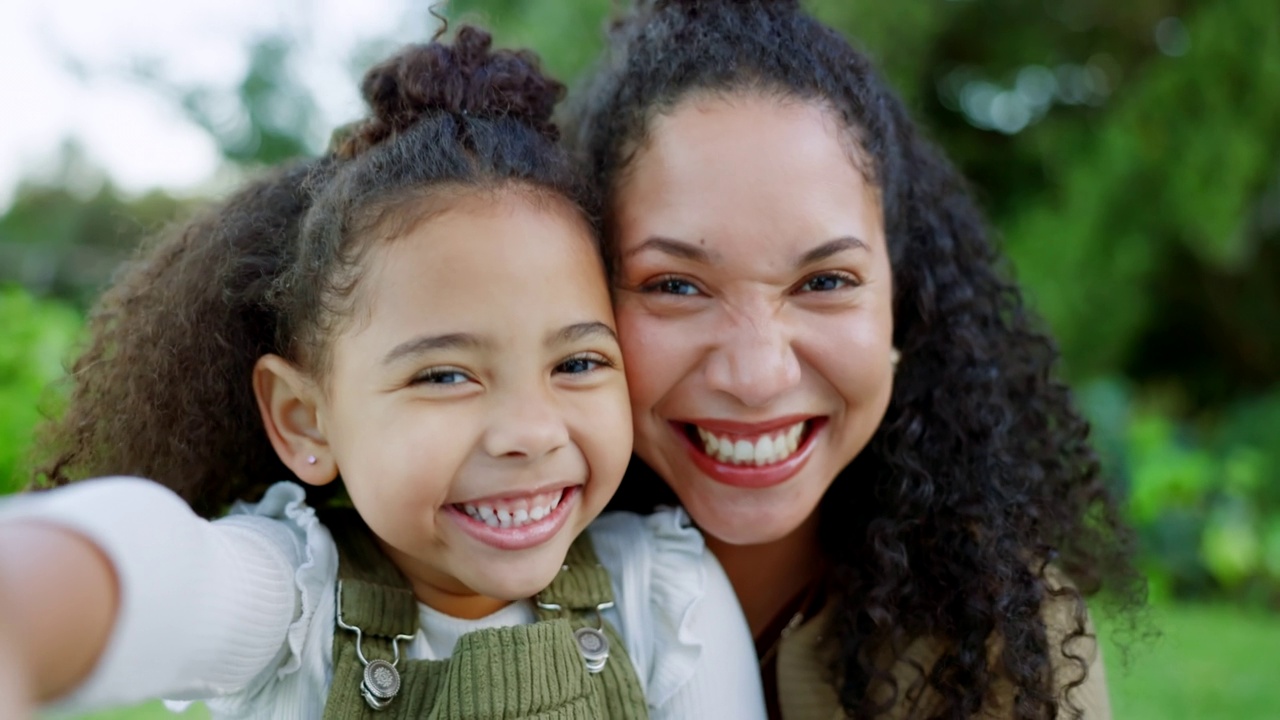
(753, 359)
(527, 425)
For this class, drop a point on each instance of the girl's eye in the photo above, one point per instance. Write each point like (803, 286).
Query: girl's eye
(442, 376)
(582, 364)
(827, 282)
(671, 286)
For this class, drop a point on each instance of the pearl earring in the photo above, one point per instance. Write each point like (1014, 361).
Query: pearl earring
(311, 459)
(894, 356)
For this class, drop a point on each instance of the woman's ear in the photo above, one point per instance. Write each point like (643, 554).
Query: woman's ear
(289, 402)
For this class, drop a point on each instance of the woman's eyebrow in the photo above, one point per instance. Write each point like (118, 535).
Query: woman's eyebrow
(677, 248)
(829, 248)
(579, 331)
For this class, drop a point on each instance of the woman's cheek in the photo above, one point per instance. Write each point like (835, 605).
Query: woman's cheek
(648, 353)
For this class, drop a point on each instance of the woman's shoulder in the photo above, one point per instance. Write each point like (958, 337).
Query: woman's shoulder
(806, 656)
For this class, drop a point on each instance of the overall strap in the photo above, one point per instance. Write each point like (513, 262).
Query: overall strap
(505, 673)
(375, 597)
(580, 593)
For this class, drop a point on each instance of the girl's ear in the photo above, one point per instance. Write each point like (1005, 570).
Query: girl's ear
(289, 403)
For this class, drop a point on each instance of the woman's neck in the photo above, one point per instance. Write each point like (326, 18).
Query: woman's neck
(767, 577)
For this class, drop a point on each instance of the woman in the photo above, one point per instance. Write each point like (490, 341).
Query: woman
(830, 371)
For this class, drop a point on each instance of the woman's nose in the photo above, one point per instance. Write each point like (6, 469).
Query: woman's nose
(753, 358)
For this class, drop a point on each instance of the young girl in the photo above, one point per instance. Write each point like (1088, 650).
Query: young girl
(422, 315)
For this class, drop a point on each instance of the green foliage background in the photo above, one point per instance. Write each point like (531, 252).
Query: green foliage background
(1127, 153)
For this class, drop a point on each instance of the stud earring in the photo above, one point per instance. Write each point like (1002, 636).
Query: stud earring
(894, 356)
(311, 459)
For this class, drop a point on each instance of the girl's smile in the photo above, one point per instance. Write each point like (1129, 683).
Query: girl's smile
(517, 522)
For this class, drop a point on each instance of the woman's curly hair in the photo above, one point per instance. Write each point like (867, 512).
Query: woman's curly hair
(980, 479)
(163, 388)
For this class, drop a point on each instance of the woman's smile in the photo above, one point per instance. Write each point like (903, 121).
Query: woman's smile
(750, 455)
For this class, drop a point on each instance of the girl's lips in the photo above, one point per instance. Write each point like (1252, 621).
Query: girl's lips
(749, 476)
(523, 537)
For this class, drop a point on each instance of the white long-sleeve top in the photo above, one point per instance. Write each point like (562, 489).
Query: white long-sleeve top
(239, 612)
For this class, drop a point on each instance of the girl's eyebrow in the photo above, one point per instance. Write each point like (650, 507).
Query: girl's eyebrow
(427, 343)
(468, 341)
(580, 331)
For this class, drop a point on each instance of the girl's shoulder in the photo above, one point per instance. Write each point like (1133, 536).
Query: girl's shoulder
(677, 614)
(659, 564)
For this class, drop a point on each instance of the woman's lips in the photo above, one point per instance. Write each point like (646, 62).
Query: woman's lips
(517, 526)
(758, 455)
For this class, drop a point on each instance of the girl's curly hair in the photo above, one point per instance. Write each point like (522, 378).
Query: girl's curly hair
(980, 479)
(163, 388)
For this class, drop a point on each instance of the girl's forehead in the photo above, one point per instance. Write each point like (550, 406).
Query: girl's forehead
(487, 260)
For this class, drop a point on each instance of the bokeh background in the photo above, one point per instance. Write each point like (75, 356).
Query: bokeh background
(1128, 154)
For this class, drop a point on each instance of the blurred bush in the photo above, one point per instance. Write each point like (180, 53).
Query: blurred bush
(36, 338)
(1203, 494)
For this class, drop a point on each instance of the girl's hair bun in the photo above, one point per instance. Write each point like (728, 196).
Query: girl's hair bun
(466, 78)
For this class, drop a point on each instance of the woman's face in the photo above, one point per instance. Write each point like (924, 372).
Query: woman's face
(754, 309)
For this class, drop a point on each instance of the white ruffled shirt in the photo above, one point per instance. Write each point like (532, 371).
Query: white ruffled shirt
(239, 612)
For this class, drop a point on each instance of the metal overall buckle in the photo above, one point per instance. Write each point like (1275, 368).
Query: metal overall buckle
(381, 678)
(593, 646)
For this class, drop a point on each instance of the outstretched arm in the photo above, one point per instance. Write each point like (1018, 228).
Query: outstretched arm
(58, 599)
(116, 592)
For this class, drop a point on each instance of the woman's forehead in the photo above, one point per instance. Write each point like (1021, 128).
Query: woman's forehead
(743, 167)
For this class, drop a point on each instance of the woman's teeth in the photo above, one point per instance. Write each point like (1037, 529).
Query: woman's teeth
(764, 450)
(514, 513)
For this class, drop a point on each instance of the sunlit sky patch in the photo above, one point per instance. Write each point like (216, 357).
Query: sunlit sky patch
(70, 74)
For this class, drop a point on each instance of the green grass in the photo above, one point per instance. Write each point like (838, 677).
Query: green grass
(1210, 663)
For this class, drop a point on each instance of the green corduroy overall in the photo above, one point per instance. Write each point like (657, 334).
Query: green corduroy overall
(509, 673)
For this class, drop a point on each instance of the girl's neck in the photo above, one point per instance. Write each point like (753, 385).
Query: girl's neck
(767, 577)
(450, 598)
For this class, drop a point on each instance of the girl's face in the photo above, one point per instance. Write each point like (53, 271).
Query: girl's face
(476, 407)
(755, 309)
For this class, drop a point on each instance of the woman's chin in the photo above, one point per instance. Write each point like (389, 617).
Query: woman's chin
(749, 522)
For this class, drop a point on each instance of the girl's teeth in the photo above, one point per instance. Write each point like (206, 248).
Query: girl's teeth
(516, 513)
(765, 450)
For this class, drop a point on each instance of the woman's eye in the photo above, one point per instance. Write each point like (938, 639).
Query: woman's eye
(672, 286)
(827, 282)
(442, 377)
(581, 364)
